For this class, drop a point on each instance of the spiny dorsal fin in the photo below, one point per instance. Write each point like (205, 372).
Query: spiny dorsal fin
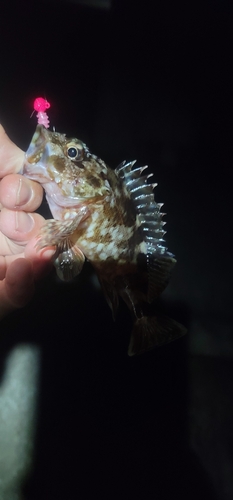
(124, 168)
(149, 215)
(159, 260)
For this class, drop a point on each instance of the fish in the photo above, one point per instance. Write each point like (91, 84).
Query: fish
(110, 218)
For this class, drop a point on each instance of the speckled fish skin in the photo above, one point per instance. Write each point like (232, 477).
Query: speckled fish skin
(111, 218)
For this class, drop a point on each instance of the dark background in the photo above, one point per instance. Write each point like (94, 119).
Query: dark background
(151, 81)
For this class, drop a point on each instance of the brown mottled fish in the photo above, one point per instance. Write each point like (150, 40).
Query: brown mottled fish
(111, 218)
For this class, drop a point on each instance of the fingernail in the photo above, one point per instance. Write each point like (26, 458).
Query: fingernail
(48, 253)
(24, 193)
(24, 223)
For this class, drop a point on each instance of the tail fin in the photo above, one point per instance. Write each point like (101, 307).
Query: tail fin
(149, 332)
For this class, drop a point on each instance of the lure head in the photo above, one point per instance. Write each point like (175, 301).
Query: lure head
(41, 104)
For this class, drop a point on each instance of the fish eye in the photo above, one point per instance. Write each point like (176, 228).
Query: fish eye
(74, 152)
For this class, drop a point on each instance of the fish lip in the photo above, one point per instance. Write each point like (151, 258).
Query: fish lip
(55, 195)
(30, 171)
(39, 139)
(59, 199)
(32, 164)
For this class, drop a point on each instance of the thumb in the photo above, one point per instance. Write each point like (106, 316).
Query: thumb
(11, 157)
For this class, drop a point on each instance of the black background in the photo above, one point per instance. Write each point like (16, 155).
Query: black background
(151, 82)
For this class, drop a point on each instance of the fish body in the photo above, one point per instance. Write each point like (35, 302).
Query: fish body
(111, 218)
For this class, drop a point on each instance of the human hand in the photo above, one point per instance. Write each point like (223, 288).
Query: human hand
(20, 263)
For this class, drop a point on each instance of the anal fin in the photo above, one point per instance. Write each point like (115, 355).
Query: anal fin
(110, 294)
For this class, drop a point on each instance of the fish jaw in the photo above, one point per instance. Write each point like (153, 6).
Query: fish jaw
(61, 207)
(36, 158)
(38, 165)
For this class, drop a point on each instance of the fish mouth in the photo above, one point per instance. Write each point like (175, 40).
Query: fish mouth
(39, 139)
(36, 157)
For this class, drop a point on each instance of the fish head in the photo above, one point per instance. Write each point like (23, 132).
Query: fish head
(65, 166)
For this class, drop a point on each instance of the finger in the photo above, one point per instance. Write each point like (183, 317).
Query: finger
(11, 157)
(6, 261)
(41, 260)
(17, 228)
(18, 286)
(17, 191)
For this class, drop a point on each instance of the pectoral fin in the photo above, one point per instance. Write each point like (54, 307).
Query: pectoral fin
(69, 260)
(55, 231)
